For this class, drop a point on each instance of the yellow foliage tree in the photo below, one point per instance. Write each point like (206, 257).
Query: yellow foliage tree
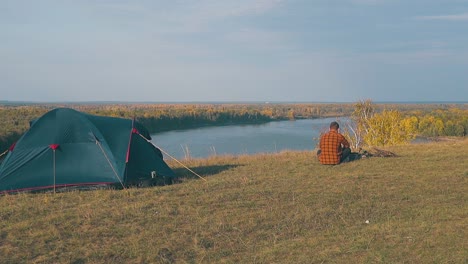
(390, 128)
(379, 129)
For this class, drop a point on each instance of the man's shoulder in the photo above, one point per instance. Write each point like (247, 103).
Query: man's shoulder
(326, 135)
(332, 133)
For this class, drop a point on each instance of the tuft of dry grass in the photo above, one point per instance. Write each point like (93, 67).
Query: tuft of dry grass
(266, 208)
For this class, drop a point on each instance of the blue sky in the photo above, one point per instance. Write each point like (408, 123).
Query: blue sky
(234, 50)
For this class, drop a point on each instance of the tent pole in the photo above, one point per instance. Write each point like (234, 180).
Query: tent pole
(54, 169)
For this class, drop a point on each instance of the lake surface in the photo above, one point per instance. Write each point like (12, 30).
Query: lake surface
(243, 139)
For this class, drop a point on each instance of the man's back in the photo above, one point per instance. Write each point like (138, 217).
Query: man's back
(331, 147)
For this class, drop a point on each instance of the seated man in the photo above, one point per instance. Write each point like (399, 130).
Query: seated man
(334, 148)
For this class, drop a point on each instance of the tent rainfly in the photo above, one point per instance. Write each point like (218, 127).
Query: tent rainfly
(67, 148)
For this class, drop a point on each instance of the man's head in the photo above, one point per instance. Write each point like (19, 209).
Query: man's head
(334, 125)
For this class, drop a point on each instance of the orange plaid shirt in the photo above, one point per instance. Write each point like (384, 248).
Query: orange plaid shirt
(331, 145)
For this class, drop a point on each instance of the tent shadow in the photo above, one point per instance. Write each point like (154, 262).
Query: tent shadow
(203, 171)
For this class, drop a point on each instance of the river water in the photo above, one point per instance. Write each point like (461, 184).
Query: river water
(243, 139)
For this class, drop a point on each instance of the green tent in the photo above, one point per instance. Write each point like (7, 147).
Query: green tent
(67, 148)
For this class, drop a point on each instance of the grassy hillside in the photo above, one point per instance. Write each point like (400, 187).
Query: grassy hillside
(278, 208)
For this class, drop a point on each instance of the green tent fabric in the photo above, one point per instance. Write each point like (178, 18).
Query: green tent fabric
(66, 148)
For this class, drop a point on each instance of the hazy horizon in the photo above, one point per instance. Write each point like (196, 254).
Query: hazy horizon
(226, 102)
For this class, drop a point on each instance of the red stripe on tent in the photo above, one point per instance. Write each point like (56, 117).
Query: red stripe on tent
(54, 146)
(12, 147)
(134, 130)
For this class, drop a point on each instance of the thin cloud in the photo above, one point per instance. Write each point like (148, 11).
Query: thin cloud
(195, 16)
(258, 40)
(423, 57)
(455, 17)
(123, 7)
(225, 9)
(367, 2)
(255, 7)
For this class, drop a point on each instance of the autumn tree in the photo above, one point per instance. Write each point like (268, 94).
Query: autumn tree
(390, 128)
(356, 128)
(379, 129)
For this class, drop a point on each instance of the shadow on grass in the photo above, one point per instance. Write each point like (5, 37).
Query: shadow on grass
(203, 171)
(181, 174)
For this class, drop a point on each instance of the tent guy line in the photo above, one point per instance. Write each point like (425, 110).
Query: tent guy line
(4, 152)
(169, 155)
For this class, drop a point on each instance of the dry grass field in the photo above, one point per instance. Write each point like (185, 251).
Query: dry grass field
(267, 208)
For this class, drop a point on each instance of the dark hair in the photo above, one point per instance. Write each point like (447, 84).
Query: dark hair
(334, 125)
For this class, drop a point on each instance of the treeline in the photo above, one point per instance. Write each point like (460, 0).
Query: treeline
(435, 119)
(159, 118)
(391, 126)
(442, 122)
(14, 119)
